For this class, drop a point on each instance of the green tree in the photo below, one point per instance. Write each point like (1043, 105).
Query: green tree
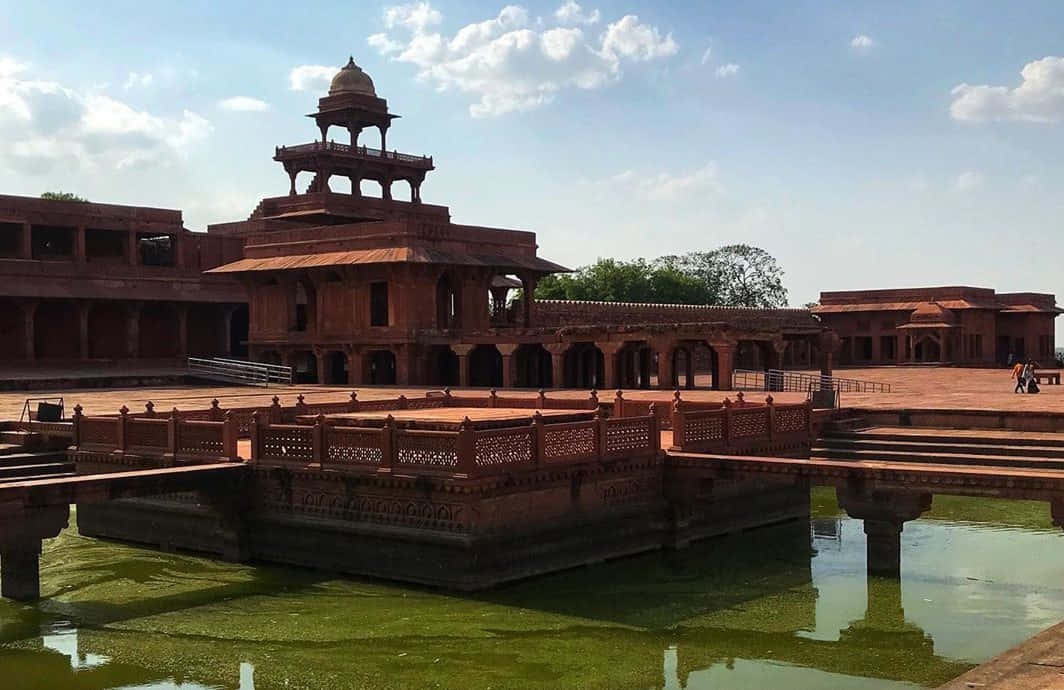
(63, 196)
(736, 275)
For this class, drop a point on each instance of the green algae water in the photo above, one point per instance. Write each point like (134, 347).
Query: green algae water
(786, 606)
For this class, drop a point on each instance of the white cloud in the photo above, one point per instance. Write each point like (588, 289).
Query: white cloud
(508, 63)
(136, 79)
(311, 77)
(668, 186)
(968, 180)
(383, 44)
(572, 13)
(729, 70)
(862, 43)
(707, 56)
(633, 39)
(243, 104)
(1039, 98)
(45, 125)
(416, 17)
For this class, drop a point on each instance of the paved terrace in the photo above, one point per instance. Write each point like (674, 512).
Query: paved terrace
(913, 387)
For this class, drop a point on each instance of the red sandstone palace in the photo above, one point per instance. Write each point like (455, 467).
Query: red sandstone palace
(353, 289)
(956, 325)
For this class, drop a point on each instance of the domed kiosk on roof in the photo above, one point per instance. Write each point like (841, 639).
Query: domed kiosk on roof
(932, 314)
(351, 79)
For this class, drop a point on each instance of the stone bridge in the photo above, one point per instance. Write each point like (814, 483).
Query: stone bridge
(35, 510)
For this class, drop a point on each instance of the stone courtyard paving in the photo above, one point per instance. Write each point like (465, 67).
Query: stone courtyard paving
(916, 387)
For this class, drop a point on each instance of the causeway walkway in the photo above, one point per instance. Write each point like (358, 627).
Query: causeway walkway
(1035, 664)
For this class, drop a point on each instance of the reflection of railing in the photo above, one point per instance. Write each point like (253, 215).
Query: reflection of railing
(239, 371)
(779, 380)
(465, 452)
(361, 151)
(733, 427)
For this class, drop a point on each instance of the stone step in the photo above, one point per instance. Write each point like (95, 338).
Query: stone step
(24, 458)
(947, 446)
(19, 438)
(937, 459)
(848, 424)
(44, 468)
(967, 436)
(32, 477)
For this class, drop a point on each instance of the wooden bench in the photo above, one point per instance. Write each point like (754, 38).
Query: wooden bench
(1047, 376)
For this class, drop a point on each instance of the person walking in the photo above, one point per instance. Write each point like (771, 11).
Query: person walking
(1028, 375)
(1017, 373)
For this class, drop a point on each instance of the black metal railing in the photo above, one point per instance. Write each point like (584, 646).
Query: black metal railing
(799, 382)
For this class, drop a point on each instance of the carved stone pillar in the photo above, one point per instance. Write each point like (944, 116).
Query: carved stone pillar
(725, 363)
(182, 330)
(610, 351)
(25, 244)
(20, 549)
(354, 365)
(507, 351)
(80, 255)
(884, 513)
(133, 329)
(321, 360)
(557, 363)
(463, 350)
(29, 347)
(829, 345)
(664, 349)
(132, 249)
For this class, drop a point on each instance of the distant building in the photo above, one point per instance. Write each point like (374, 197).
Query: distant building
(948, 325)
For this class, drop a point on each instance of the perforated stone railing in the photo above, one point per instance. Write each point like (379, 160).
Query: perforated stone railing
(739, 427)
(467, 452)
(157, 440)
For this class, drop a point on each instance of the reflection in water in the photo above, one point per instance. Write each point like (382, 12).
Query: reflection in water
(786, 606)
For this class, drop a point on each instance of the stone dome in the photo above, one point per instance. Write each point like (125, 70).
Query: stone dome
(351, 79)
(932, 312)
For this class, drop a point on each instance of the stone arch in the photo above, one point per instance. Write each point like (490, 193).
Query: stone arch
(159, 336)
(584, 366)
(205, 330)
(381, 364)
(239, 323)
(485, 366)
(683, 366)
(706, 365)
(12, 339)
(335, 368)
(532, 364)
(107, 330)
(442, 366)
(304, 366)
(55, 330)
(927, 348)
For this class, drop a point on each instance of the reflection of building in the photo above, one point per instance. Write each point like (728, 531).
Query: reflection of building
(84, 282)
(960, 325)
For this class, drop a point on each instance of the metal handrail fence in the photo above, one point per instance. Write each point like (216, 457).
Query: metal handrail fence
(793, 381)
(237, 371)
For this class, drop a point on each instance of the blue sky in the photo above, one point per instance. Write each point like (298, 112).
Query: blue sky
(864, 144)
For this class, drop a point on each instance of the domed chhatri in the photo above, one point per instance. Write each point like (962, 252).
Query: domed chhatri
(351, 79)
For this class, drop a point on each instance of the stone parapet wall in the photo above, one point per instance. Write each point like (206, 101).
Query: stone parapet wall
(578, 312)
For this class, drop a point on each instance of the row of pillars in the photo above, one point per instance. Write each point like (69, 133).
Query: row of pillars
(132, 311)
(321, 184)
(131, 253)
